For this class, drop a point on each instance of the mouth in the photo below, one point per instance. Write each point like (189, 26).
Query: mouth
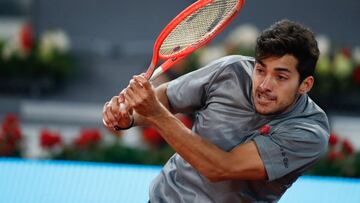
(264, 99)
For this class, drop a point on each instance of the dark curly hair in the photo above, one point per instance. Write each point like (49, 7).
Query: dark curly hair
(287, 37)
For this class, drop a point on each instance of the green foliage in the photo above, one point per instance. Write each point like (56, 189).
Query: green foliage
(116, 153)
(342, 167)
(59, 67)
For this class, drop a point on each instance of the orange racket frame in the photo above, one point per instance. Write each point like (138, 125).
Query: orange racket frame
(154, 72)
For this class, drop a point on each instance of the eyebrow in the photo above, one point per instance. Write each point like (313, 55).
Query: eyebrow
(261, 63)
(278, 69)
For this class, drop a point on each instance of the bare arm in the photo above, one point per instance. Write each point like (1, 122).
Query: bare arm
(243, 162)
(160, 92)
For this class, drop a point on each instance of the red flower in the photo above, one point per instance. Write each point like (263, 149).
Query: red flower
(11, 119)
(6, 128)
(10, 135)
(346, 52)
(88, 137)
(26, 37)
(2, 137)
(15, 135)
(49, 139)
(335, 155)
(333, 139)
(265, 130)
(356, 76)
(10, 129)
(152, 136)
(347, 146)
(185, 120)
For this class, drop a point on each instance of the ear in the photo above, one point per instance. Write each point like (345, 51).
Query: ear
(306, 85)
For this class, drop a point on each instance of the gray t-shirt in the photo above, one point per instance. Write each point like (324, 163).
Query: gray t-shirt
(220, 95)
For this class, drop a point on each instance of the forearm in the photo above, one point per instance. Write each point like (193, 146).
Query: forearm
(204, 156)
(243, 162)
(162, 96)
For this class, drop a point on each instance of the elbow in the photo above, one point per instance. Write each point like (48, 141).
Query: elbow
(215, 174)
(215, 179)
(223, 174)
(217, 171)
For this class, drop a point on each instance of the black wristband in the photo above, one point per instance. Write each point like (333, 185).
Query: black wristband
(118, 128)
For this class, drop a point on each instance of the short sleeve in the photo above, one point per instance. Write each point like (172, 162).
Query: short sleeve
(188, 93)
(292, 148)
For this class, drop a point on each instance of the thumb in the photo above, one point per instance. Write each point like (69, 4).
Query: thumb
(122, 107)
(121, 98)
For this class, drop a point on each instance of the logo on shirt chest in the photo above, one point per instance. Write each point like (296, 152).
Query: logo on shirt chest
(265, 130)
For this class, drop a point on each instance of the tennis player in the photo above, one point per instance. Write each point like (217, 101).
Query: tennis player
(255, 131)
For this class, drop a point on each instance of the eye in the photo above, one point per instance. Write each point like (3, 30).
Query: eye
(259, 70)
(282, 78)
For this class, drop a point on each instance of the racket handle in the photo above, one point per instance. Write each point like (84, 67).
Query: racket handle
(156, 73)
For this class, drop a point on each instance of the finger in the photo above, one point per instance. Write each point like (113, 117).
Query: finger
(135, 84)
(143, 81)
(104, 108)
(121, 98)
(136, 92)
(113, 130)
(129, 101)
(124, 111)
(122, 107)
(109, 118)
(127, 110)
(105, 119)
(105, 123)
(141, 93)
(114, 106)
(126, 116)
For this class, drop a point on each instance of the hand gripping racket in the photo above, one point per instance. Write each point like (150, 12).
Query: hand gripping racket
(191, 29)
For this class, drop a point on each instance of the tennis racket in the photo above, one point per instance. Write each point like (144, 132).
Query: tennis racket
(191, 29)
(188, 31)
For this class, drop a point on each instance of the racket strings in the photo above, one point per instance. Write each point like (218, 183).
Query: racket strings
(197, 26)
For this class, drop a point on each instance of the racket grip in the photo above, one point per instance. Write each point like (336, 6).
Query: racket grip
(156, 73)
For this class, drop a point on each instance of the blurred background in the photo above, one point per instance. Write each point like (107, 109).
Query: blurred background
(60, 61)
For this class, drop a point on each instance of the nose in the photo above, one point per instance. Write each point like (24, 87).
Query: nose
(267, 84)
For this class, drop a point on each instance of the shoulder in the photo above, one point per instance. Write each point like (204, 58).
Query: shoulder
(233, 66)
(233, 59)
(305, 112)
(233, 62)
(308, 113)
(309, 129)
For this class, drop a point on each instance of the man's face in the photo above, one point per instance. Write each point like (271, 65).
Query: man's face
(275, 84)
